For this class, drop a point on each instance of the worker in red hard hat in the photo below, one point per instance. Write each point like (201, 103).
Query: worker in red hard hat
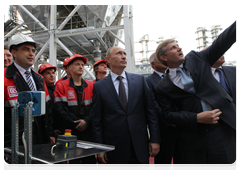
(66, 69)
(49, 73)
(73, 98)
(100, 69)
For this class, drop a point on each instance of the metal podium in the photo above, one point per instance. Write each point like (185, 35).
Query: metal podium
(43, 153)
(29, 105)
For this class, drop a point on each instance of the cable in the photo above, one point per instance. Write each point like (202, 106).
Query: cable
(52, 149)
(24, 144)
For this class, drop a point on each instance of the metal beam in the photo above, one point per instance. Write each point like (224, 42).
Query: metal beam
(33, 17)
(101, 41)
(69, 17)
(80, 46)
(77, 31)
(80, 31)
(13, 31)
(116, 37)
(41, 51)
(63, 46)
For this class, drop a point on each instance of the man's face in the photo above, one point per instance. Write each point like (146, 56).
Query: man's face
(24, 56)
(118, 58)
(77, 67)
(49, 76)
(174, 56)
(7, 58)
(102, 68)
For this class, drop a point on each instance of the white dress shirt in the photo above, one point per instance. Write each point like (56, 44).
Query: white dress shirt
(216, 74)
(176, 77)
(116, 82)
(22, 72)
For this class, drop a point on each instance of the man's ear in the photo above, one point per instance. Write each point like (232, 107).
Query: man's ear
(163, 58)
(152, 64)
(107, 59)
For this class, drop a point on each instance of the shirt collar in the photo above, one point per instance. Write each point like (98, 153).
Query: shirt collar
(159, 73)
(20, 69)
(214, 69)
(173, 71)
(114, 76)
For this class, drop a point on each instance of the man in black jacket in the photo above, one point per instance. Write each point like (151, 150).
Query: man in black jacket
(205, 114)
(168, 131)
(73, 98)
(20, 77)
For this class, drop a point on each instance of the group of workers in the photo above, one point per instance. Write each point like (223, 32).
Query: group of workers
(182, 113)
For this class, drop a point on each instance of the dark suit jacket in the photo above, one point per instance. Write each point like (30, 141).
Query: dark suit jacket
(168, 132)
(114, 125)
(44, 129)
(207, 88)
(230, 77)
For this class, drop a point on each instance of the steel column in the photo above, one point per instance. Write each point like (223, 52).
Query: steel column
(128, 33)
(52, 43)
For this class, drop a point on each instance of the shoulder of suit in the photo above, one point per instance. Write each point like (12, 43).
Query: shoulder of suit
(229, 67)
(36, 73)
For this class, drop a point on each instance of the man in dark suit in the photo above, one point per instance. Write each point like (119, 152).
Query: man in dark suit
(205, 114)
(230, 75)
(19, 77)
(168, 131)
(122, 109)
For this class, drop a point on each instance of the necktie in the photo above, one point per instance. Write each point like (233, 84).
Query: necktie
(122, 92)
(222, 80)
(187, 82)
(188, 85)
(29, 81)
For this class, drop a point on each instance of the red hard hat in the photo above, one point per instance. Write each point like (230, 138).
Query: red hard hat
(77, 56)
(45, 66)
(100, 61)
(66, 60)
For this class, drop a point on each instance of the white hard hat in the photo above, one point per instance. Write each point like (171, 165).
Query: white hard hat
(19, 39)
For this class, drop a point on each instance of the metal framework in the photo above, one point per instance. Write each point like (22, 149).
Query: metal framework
(57, 42)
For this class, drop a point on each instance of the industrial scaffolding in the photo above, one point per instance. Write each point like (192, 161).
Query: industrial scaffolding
(64, 30)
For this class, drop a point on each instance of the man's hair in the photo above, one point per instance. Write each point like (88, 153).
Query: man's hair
(6, 47)
(161, 50)
(94, 69)
(109, 52)
(152, 58)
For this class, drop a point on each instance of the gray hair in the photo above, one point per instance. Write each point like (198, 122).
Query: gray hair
(152, 58)
(109, 52)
